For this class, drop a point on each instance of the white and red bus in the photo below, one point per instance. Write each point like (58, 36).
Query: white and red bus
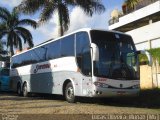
(88, 62)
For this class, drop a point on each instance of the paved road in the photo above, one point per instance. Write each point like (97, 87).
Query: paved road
(11, 104)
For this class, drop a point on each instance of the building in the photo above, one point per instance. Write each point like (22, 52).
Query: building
(142, 23)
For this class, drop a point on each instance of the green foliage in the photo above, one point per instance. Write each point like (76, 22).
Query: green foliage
(155, 55)
(7, 58)
(1, 46)
(142, 58)
(13, 29)
(131, 3)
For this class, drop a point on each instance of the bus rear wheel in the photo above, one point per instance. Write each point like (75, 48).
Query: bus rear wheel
(69, 93)
(25, 92)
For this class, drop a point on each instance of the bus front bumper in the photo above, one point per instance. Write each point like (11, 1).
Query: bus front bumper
(108, 92)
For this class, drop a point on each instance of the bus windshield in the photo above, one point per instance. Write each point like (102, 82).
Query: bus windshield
(117, 56)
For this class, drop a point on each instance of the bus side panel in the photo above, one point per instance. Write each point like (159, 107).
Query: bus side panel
(52, 82)
(49, 77)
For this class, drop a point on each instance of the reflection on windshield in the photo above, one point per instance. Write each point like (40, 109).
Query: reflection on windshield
(117, 57)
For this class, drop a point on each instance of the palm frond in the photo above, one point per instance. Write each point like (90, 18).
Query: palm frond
(20, 44)
(4, 13)
(70, 2)
(90, 6)
(1, 45)
(13, 20)
(2, 26)
(27, 22)
(15, 13)
(3, 17)
(2, 34)
(47, 11)
(131, 3)
(17, 41)
(3, 30)
(30, 6)
(26, 35)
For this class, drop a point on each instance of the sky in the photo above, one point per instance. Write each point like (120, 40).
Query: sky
(78, 19)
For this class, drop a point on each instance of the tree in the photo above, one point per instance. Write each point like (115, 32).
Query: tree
(131, 3)
(48, 7)
(12, 28)
(3, 53)
(1, 45)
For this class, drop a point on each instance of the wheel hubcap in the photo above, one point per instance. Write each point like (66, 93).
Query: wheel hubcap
(70, 92)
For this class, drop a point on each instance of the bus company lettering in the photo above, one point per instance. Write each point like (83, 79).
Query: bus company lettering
(41, 67)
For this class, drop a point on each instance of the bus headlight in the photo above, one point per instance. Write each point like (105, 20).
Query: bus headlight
(98, 84)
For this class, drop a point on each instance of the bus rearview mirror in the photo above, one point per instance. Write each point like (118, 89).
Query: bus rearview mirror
(95, 51)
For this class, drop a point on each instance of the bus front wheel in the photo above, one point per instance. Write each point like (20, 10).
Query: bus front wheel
(69, 93)
(25, 92)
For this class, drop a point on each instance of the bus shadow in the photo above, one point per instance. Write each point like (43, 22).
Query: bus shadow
(40, 81)
(48, 96)
(32, 96)
(146, 99)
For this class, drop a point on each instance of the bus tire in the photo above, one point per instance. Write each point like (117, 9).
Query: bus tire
(19, 92)
(25, 92)
(69, 93)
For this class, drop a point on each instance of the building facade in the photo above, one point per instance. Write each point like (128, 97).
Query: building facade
(142, 23)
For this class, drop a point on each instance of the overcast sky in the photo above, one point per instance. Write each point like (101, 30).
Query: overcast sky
(77, 20)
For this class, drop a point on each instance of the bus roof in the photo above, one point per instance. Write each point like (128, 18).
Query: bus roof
(80, 30)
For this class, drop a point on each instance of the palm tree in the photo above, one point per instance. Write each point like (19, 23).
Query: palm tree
(48, 7)
(1, 46)
(12, 27)
(3, 52)
(131, 3)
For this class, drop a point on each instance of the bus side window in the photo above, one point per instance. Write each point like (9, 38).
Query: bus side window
(53, 51)
(83, 55)
(67, 46)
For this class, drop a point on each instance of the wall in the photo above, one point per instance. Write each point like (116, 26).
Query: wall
(150, 76)
(145, 77)
(147, 36)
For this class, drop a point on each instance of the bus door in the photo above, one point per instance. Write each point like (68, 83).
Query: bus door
(83, 57)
